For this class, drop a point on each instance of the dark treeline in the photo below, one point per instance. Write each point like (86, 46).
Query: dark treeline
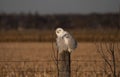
(36, 21)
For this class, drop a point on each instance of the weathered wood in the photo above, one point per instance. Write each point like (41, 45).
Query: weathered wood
(64, 64)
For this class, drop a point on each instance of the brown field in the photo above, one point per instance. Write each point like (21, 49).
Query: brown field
(39, 51)
(86, 35)
(33, 59)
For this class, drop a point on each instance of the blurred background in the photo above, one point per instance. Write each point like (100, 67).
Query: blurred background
(36, 20)
(27, 37)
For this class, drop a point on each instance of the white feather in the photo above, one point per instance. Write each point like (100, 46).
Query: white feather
(65, 42)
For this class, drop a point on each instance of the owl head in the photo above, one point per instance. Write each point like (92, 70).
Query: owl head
(59, 32)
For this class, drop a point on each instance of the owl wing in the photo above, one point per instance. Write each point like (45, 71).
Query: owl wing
(71, 42)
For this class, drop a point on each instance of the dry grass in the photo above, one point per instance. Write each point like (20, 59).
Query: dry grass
(25, 35)
(32, 59)
(37, 50)
(46, 35)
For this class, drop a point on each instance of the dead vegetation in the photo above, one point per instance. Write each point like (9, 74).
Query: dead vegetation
(81, 35)
(32, 59)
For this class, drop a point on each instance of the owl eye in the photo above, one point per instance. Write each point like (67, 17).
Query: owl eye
(57, 31)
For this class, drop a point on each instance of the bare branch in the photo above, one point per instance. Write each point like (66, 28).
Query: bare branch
(104, 56)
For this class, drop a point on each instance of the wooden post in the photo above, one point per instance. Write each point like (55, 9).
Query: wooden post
(64, 64)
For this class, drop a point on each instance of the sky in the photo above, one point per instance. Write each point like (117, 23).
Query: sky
(59, 6)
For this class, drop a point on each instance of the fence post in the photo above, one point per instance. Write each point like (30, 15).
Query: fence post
(64, 64)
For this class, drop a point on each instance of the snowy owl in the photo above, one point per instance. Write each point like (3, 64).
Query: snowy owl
(64, 41)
